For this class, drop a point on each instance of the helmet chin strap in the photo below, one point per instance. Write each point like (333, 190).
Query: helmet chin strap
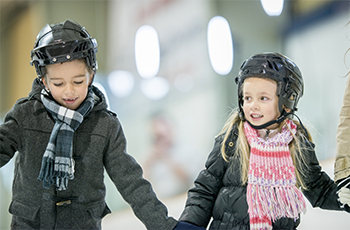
(278, 121)
(267, 124)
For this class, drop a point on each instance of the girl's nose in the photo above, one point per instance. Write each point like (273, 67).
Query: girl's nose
(254, 106)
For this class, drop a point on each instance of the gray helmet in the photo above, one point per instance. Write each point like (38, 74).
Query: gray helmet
(62, 42)
(275, 66)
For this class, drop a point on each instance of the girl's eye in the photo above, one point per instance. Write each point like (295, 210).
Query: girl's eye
(246, 98)
(264, 98)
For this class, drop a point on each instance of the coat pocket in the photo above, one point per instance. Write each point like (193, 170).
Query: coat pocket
(26, 211)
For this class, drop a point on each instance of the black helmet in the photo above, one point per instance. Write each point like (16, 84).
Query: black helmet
(279, 68)
(62, 42)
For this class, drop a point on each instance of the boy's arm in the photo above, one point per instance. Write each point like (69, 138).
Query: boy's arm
(9, 136)
(126, 174)
(342, 159)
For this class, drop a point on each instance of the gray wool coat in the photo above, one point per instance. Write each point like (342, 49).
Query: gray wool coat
(99, 144)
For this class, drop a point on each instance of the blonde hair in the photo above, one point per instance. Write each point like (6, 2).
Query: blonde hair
(242, 148)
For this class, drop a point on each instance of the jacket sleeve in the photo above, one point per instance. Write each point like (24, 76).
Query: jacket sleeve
(342, 158)
(201, 198)
(321, 189)
(9, 138)
(126, 174)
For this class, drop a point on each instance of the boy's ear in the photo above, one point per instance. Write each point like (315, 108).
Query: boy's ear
(45, 84)
(91, 78)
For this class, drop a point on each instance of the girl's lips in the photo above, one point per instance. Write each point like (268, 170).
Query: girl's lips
(255, 117)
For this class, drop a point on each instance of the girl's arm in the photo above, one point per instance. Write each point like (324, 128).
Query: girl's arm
(201, 198)
(321, 190)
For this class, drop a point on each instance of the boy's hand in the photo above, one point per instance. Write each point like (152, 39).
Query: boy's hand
(187, 226)
(344, 194)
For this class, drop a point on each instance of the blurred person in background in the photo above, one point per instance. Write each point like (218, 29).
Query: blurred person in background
(66, 138)
(166, 166)
(263, 160)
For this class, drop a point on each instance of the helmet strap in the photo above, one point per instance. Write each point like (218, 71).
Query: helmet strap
(281, 118)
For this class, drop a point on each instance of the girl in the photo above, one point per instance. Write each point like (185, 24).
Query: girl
(263, 159)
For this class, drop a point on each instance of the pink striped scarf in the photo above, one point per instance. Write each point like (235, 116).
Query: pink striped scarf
(271, 191)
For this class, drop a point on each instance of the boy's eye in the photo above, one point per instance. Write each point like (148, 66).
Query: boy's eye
(246, 98)
(264, 98)
(57, 84)
(78, 82)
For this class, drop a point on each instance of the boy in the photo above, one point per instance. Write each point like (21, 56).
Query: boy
(66, 137)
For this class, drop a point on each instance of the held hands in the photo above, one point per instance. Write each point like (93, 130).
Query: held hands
(187, 226)
(344, 194)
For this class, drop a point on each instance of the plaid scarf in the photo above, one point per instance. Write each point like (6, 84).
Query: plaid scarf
(271, 190)
(57, 165)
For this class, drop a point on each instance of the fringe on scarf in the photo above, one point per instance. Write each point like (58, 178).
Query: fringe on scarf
(274, 202)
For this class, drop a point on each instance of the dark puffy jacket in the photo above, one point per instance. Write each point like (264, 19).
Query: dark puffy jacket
(219, 193)
(99, 145)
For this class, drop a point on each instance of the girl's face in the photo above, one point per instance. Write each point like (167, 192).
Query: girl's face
(68, 82)
(260, 101)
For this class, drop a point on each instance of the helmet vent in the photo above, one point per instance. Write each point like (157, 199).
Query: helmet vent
(81, 47)
(273, 65)
(292, 97)
(41, 55)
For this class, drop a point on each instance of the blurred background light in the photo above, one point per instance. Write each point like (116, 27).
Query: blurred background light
(220, 45)
(121, 83)
(272, 7)
(103, 90)
(155, 88)
(184, 82)
(147, 54)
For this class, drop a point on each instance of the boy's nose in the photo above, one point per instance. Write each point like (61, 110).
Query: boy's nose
(69, 89)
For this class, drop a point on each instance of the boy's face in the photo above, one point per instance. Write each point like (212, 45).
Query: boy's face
(260, 102)
(68, 82)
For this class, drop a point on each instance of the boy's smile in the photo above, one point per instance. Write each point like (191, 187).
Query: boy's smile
(68, 82)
